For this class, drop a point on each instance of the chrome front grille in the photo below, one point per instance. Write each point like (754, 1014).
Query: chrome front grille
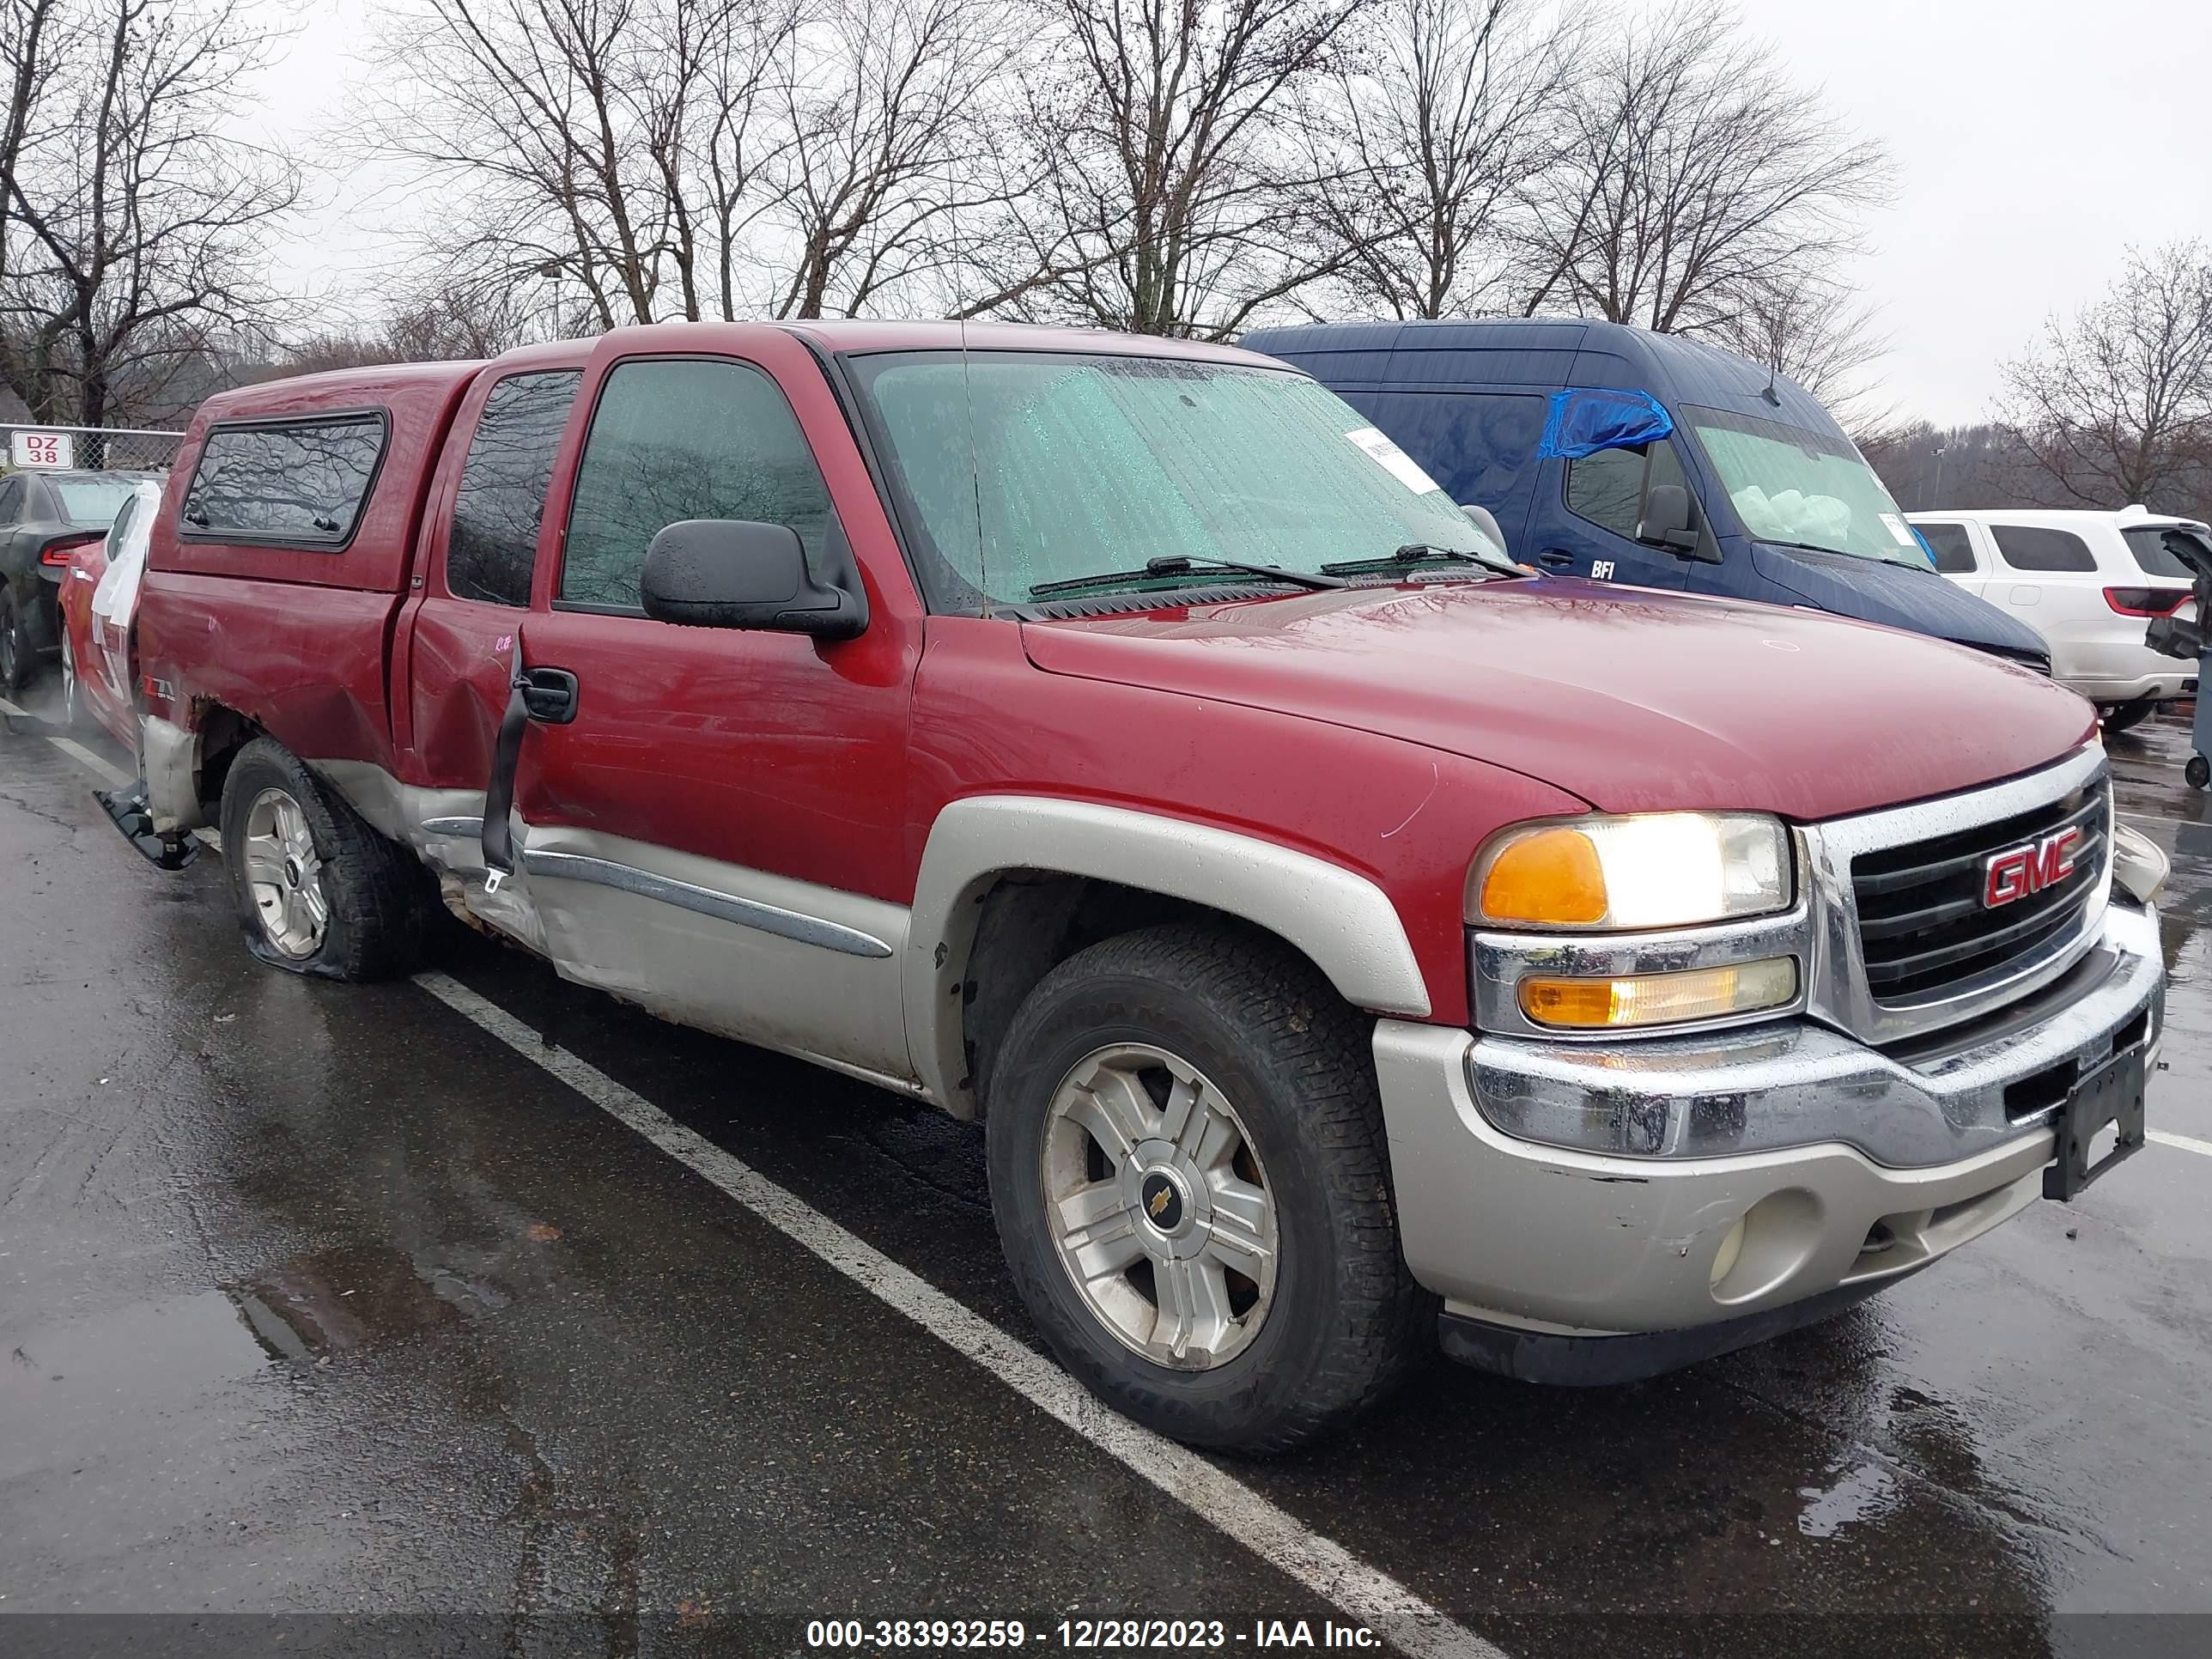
(1905, 946)
(1923, 926)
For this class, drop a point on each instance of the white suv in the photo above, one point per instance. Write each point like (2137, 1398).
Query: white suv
(2089, 582)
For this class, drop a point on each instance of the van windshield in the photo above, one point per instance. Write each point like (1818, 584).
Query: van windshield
(1030, 468)
(1813, 489)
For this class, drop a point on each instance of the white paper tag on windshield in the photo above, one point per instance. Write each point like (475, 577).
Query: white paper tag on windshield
(1901, 532)
(1392, 459)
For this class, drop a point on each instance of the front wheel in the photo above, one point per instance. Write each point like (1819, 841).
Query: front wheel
(2197, 772)
(2125, 715)
(14, 647)
(1192, 1189)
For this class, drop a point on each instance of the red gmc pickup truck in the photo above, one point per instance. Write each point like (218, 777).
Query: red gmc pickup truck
(1347, 939)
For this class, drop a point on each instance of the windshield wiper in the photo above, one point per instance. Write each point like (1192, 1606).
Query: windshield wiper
(1414, 553)
(1176, 564)
(1878, 558)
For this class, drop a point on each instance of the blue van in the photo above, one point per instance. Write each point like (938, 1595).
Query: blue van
(1609, 451)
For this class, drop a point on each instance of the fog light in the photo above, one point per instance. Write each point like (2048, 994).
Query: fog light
(1659, 998)
(1731, 1247)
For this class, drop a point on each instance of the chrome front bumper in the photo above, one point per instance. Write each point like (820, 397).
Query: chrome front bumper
(1588, 1189)
(1798, 1083)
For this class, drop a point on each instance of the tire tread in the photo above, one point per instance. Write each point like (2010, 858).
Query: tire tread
(384, 916)
(1283, 1006)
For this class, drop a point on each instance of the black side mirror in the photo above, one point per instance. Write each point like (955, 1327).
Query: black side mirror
(732, 573)
(1666, 521)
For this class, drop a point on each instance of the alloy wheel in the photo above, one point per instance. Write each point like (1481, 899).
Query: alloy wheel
(285, 874)
(1158, 1206)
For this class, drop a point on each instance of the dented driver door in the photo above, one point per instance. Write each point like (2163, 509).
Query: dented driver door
(712, 819)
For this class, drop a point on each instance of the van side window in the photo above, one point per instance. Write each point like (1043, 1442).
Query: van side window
(1953, 547)
(676, 439)
(2032, 547)
(1609, 487)
(496, 511)
(300, 482)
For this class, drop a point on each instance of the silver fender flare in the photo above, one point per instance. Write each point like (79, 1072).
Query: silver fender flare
(1341, 920)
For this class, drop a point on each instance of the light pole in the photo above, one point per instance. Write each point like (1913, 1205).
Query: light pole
(1938, 501)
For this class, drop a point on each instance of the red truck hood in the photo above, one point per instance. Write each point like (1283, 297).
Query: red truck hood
(1634, 702)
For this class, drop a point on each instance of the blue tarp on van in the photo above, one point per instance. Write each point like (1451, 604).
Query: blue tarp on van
(1586, 419)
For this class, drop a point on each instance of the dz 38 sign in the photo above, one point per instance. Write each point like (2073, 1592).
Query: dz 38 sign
(41, 449)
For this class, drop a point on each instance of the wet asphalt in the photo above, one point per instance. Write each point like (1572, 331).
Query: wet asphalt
(331, 1323)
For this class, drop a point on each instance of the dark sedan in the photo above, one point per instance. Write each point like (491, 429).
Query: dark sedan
(43, 516)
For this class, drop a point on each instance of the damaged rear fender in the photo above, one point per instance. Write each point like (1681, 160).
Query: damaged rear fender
(169, 756)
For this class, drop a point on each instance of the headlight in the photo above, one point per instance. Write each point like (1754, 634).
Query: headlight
(1652, 870)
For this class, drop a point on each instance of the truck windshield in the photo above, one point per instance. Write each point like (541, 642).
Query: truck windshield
(1792, 484)
(1029, 468)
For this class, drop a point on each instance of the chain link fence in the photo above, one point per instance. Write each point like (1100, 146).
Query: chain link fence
(98, 449)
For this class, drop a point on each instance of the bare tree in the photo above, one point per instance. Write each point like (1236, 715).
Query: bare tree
(585, 142)
(891, 163)
(133, 225)
(1169, 195)
(1813, 330)
(1429, 142)
(1694, 169)
(448, 321)
(633, 160)
(28, 63)
(2115, 407)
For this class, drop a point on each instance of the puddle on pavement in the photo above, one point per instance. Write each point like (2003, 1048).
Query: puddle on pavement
(352, 1295)
(139, 1356)
(1860, 1492)
(135, 1360)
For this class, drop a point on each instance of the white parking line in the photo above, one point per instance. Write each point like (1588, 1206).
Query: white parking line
(2181, 823)
(76, 751)
(1322, 1565)
(116, 777)
(2185, 1143)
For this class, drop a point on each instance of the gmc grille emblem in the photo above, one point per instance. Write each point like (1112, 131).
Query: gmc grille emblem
(2018, 871)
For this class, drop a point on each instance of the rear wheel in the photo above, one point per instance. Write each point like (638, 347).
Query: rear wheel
(75, 716)
(318, 890)
(2197, 772)
(1193, 1191)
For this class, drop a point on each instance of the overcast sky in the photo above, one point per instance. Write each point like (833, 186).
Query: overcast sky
(2034, 140)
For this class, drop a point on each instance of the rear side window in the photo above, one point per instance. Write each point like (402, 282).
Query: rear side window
(300, 482)
(679, 439)
(1949, 543)
(493, 543)
(2162, 550)
(2032, 547)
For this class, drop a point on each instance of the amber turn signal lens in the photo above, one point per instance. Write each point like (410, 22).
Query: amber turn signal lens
(1613, 1004)
(1552, 877)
